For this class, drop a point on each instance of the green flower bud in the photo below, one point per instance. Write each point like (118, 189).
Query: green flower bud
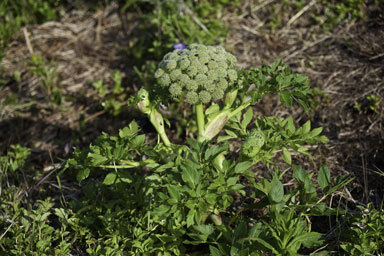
(209, 85)
(222, 84)
(212, 65)
(222, 64)
(204, 97)
(191, 85)
(164, 80)
(170, 65)
(201, 47)
(184, 79)
(218, 94)
(191, 97)
(175, 90)
(170, 55)
(184, 63)
(212, 74)
(193, 55)
(202, 69)
(232, 75)
(175, 74)
(253, 143)
(199, 72)
(204, 60)
(191, 71)
(201, 79)
(159, 73)
(231, 59)
(221, 72)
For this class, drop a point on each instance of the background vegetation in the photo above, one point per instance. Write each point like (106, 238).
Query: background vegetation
(68, 68)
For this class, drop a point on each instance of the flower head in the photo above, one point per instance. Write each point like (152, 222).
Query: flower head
(197, 73)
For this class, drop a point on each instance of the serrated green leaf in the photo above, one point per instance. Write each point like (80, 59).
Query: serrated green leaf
(232, 181)
(299, 78)
(316, 131)
(173, 191)
(110, 178)
(224, 138)
(303, 105)
(286, 98)
(324, 177)
(190, 217)
(212, 109)
(276, 193)
(214, 251)
(211, 198)
(97, 159)
(190, 176)
(204, 229)
(309, 239)
(247, 118)
(194, 144)
(165, 167)
(231, 133)
(290, 126)
(139, 140)
(162, 210)
(124, 176)
(323, 139)
(306, 128)
(276, 64)
(287, 156)
(299, 174)
(129, 131)
(256, 230)
(240, 231)
(82, 174)
(242, 167)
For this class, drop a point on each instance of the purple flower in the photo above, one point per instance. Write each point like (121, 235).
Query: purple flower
(179, 46)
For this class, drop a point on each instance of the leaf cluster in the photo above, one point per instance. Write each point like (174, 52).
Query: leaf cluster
(276, 79)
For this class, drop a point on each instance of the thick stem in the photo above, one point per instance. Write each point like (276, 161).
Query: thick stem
(146, 107)
(157, 121)
(200, 122)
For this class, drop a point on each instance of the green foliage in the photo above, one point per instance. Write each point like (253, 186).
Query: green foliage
(327, 13)
(15, 158)
(277, 78)
(365, 234)
(47, 74)
(181, 196)
(338, 11)
(147, 196)
(17, 13)
(370, 104)
(112, 100)
(31, 233)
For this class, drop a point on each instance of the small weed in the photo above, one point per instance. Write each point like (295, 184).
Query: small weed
(370, 104)
(112, 100)
(365, 236)
(47, 74)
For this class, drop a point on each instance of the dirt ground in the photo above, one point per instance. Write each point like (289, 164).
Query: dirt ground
(346, 64)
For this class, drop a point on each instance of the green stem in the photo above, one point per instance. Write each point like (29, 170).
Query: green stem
(237, 110)
(157, 121)
(200, 122)
(128, 164)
